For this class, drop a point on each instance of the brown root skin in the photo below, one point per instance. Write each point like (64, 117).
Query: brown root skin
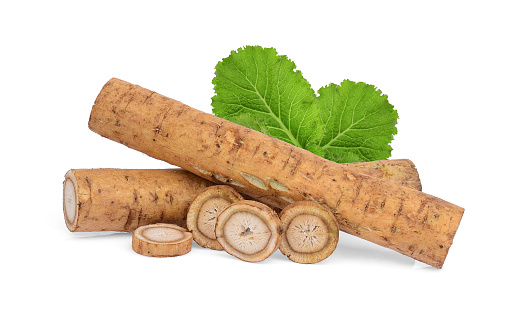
(406, 220)
(216, 198)
(161, 240)
(402, 171)
(310, 232)
(249, 230)
(124, 199)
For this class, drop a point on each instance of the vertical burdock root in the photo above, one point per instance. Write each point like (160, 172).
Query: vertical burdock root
(124, 199)
(274, 172)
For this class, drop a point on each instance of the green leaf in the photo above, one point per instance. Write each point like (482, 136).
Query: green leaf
(359, 120)
(259, 89)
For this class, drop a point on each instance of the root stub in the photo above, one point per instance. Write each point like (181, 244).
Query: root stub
(311, 232)
(162, 240)
(203, 213)
(249, 230)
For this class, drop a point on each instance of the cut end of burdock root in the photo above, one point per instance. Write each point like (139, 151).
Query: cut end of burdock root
(203, 213)
(162, 240)
(70, 201)
(311, 232)
(249, 230)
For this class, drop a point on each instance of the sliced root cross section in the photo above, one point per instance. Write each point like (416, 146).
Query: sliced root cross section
(162, 240)
(70, 201)
(249, 230)
(310, 232)
(204, 211)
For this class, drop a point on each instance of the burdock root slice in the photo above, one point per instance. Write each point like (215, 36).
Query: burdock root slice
(249, 230)
(310, 232)
(203, 213)
(162, 240)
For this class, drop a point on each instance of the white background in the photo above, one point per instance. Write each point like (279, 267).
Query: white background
(446, 68)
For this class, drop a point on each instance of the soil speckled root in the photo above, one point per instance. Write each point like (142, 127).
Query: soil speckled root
(124, 199)
(274, 172)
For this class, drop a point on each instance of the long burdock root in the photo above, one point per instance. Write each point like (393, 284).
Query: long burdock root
(274, 172)
(249, 230)
(203, 214)
(161, 240)
(124, 199)
(310, 232)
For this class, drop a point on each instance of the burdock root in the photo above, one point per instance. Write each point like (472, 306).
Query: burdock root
(249, 230)
(310, 232)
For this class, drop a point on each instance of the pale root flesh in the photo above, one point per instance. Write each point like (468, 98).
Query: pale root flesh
(311, 232)
(162, 234)
(249, 230)
(162, 240)
(204, 211)
(307, 234)
(208, 215)
(246, 233)
(70, 202)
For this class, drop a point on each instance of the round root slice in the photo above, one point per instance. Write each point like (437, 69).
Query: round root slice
(249, 230)
(162, 240)
(203, 213)
(310, 232)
